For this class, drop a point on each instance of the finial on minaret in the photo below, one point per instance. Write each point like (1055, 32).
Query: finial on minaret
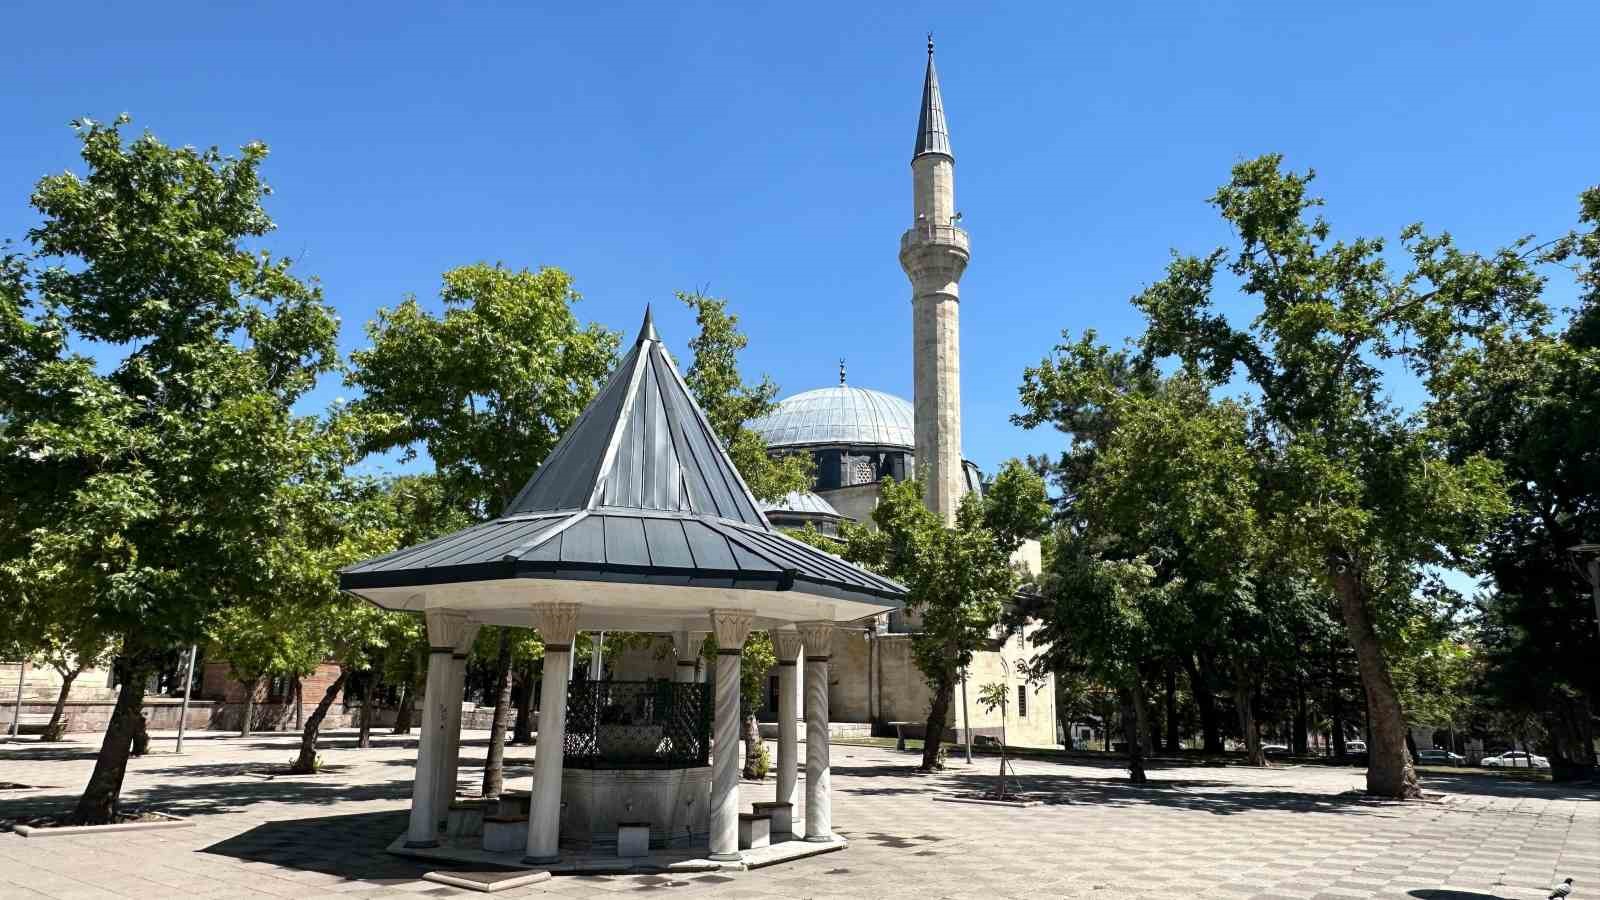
(930, 43)
(841, 370)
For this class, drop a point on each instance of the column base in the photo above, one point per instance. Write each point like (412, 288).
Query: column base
(725, 857)
(422, 845)
(819, 838)
(541, 860)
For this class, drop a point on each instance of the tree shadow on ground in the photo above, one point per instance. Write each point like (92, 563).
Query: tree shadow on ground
(217, 797)
(1216, 797)
(1441, 894)
(1497, 786)
(23, 753)
(352, 847)
(263, 770)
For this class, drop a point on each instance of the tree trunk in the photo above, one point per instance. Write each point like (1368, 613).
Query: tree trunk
(1133, 730)
(753, 745)
(1338, 736)
(938, 714)
(1389, 771)
(402, 716)
(1571, 731)
(1152, 723)
(364, 742)
(52, 732)
(299, 705)
(1205, 702)
(98, 804)
(250, 706)
(1301, 719)
(1411, 744)
(1173, 743)
(1243, 692)
(522, 732)
(307, 761)
(494, 766)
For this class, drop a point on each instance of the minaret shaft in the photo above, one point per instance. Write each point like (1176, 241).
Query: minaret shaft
(934, 253)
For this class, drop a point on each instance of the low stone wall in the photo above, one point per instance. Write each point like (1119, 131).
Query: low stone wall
(92, 715)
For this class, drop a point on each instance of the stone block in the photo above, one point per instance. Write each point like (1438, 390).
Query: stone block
(781, 815)
(505, 834)
(633, 839)
(515, 803)
(755, 831)
(465, 819)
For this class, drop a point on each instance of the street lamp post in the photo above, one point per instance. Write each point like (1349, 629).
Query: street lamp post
(1586, 559)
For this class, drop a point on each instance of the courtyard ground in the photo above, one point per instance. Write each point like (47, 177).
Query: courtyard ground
(1194, 831)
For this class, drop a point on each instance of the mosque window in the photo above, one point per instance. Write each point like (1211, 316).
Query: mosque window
(865, 472)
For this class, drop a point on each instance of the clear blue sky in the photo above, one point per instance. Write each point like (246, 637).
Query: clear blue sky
(762, 153)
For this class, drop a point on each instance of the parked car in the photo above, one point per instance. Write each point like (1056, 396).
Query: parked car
(1516, 759)
(1440, 758)
(1354, 747)
(1274, 749)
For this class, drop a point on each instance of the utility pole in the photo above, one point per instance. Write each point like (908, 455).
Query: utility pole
(188, 683)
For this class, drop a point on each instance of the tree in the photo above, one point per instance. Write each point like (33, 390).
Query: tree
(1363, 494)
(1527, 395)
(958, 578)
(730, 404)
(512, 647)
(150, 475)
(486, 389)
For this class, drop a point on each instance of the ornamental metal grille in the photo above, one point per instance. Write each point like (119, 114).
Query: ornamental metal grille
(638, 725)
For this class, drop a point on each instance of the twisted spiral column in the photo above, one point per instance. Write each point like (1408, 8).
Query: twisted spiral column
(818, 639)
(732, 627)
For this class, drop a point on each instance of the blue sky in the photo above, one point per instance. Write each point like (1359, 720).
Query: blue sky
(761, 152)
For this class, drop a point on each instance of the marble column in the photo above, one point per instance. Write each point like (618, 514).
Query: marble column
(818, 639)
(685, 646)
(786, 644)
(557, 626)
(444, 627)
(732, 627)
(450, 759)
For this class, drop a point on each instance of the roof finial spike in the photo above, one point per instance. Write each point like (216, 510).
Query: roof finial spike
(930, 43)
(841, 370)
(647, 331)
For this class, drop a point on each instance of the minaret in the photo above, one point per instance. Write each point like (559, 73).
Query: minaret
(934, 253)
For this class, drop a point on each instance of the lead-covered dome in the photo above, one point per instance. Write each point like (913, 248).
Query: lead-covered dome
(839, 415)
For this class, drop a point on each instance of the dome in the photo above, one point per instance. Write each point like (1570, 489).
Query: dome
(802, 504)
(839, 415)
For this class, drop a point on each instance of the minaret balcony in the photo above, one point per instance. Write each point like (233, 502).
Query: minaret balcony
(926, 234)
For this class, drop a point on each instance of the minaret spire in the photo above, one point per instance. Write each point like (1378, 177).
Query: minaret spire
(933, 134)
(934, 253)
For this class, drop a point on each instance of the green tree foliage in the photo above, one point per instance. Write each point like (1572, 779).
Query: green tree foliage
(1362, 493)
(488, 386)
(958, 579)
(152, 479)
(730, 404)
(1527, 395)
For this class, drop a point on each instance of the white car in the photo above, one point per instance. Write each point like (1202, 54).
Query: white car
(1355, 746)
(1516, 759)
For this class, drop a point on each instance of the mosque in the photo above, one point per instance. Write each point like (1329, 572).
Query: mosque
(857, 437)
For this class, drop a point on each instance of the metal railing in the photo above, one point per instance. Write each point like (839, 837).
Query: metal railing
(638, 724)
(929, 233)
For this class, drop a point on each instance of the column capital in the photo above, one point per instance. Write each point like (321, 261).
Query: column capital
(469, 634)
(732, 627)
(557, 623)
(786, 644)
(445, 628)
(818, 638)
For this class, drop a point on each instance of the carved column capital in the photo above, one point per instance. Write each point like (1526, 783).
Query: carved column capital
(818, 638)
(786, 643)
(557, 624)
(732, 627)
(445, 628)
(469, 633)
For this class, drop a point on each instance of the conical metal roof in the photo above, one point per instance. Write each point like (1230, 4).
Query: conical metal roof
(642, 444)
(637, 515)
(933, 134)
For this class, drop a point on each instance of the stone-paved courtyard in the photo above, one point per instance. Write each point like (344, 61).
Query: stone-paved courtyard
(1193, 832)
